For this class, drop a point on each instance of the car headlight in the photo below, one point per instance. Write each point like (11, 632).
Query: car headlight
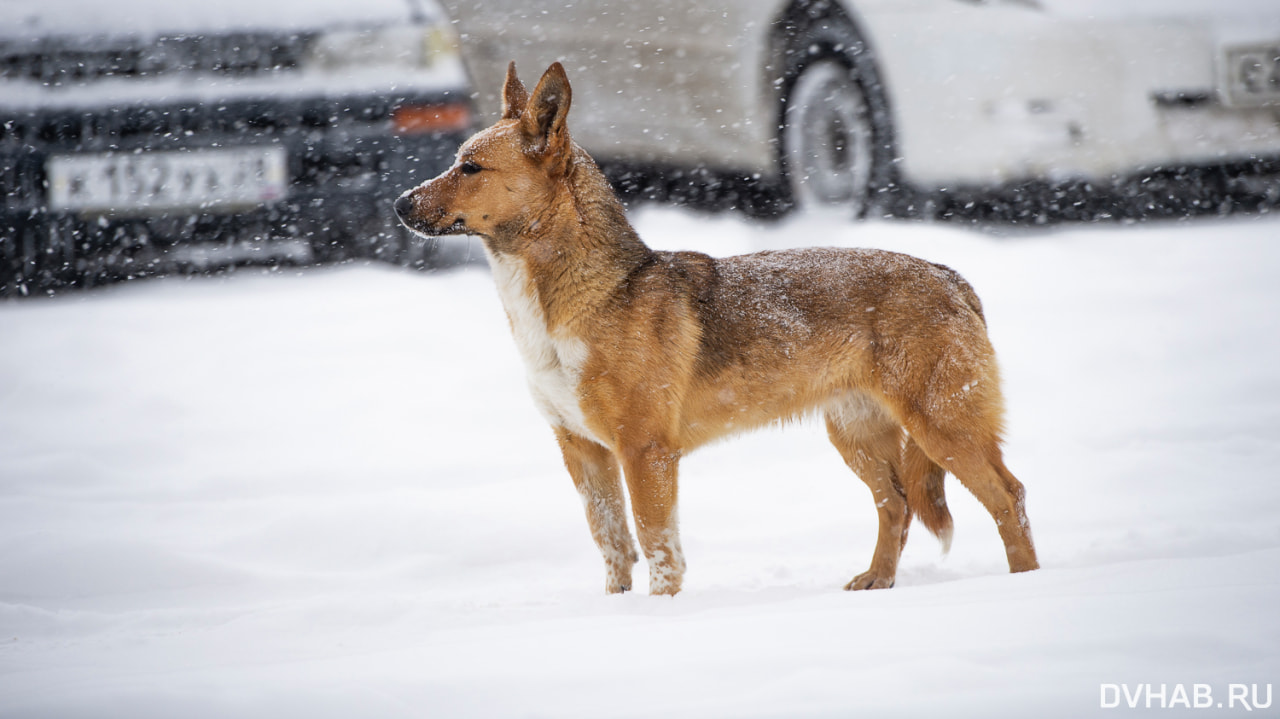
(409, 46)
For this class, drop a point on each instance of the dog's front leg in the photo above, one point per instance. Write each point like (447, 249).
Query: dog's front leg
(595, 474)
(651, 470)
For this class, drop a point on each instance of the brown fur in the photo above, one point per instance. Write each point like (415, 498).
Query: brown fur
(637, 357)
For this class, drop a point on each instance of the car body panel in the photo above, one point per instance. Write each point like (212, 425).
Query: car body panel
(647, 88)
(979, 92)
(42, 18)
(152, 28)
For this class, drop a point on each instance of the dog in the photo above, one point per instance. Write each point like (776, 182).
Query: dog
(637, 357)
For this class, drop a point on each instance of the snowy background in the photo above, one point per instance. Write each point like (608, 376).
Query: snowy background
(325, 493)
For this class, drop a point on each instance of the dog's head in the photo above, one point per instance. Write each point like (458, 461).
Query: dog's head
(503, 175)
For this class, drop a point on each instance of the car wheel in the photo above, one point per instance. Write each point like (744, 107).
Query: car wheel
(44, 259)
(396, 244)
(829, 139)
(417, 252)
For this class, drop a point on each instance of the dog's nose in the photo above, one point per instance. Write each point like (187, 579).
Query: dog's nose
(404, 205)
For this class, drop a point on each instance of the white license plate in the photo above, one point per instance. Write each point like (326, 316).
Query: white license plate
(150, 182)
(1252, 75)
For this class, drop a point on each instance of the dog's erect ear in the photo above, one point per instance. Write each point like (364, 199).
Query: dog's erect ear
(514, 96)
(543, 120)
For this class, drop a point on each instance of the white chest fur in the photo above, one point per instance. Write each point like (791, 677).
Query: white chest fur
(553, 362)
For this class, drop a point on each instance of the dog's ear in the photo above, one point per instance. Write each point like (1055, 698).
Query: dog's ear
(514, 96)
(543, 120)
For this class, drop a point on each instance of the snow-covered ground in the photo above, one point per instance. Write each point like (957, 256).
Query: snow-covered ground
(325, 493)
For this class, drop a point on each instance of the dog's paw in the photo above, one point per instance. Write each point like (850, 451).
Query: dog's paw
(664, 587)
(617, 569)
(869, 580)
(617, 579)
(617, 582)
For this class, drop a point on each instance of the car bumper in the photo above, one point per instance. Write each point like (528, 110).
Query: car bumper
(345, 159)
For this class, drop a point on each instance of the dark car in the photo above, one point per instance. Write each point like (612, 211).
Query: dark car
(159, 134)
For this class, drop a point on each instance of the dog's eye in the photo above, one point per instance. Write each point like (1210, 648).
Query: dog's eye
(470, 168)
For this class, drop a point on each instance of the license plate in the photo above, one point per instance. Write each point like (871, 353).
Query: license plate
(1252, 75)
(151, 182)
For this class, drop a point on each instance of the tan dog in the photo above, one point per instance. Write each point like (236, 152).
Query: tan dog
(637, 357)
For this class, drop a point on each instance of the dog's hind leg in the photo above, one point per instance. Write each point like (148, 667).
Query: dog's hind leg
(979, 466)
(950, 403)
(984, 474)
(870, 443)
(595, 474)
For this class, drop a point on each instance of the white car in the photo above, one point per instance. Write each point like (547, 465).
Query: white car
(848, 102)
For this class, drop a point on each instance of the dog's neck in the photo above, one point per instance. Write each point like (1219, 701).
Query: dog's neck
(579, 251)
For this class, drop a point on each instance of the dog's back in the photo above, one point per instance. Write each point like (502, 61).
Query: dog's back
(782, 333)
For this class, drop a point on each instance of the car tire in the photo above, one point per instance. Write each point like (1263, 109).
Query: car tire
(45, 261)
(373, 236)
(835, 138)
(827, 138)
(415, 251)
(398, 245)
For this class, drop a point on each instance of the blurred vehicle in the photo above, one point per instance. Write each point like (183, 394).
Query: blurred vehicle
(908, 107)
(141, 136)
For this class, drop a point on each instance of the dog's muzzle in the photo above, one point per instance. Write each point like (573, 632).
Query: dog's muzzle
(407, 212)
(404, 207)
(410, 215)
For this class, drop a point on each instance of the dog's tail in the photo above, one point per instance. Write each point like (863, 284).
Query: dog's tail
(922, 483)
